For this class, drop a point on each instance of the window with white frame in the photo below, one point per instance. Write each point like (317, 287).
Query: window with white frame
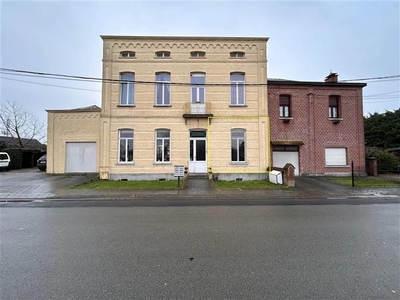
(237, 89)
(163, 144)
(334, 106)
(238, 145)
(127, 89)
(127, 54)
(197, 54)
(335, 157)
(197, 81)
(125, 151)
(237, 54)
(163, 89)
(161, 54)
(284, 106)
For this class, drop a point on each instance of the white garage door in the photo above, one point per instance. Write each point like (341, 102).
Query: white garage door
(80, 158)
(280, 159)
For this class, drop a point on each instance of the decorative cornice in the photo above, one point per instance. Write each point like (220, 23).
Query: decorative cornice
(172, 45)
(76, 116)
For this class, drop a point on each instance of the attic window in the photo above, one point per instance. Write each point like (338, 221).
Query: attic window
(197, 54)
(163, 54)
(237, 54)
(127, 54)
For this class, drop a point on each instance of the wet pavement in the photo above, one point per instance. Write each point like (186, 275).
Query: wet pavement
(33, 183)
(29, 184)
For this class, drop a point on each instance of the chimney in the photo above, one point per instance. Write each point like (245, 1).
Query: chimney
(332, 77)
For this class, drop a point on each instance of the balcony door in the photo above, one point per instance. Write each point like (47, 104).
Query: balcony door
(198, 152)
(198, 93)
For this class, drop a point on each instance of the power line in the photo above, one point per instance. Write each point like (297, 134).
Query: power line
(373, 78)
(381, 94)
(56, 76)
(60, 86)
(372, 102)
(97, 79)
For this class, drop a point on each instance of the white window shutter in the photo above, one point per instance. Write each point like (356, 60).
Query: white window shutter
(335, 157)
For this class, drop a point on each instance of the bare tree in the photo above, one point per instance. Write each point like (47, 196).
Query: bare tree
(18, 123)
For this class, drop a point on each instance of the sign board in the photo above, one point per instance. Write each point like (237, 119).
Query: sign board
(179, 171)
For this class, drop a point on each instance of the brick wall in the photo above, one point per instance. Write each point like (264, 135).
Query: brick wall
(311, 125)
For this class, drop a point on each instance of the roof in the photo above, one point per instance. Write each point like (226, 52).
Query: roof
(32, 144)
(279, 81)
(190, 38)
(92, 108)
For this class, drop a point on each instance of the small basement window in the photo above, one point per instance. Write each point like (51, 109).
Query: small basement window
(237, 54)
(127, 54)
(163, 54)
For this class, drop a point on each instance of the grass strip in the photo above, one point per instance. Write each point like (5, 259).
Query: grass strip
(367, 182)
(135, 185)
(253, 184)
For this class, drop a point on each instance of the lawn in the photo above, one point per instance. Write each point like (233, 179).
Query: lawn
(368, 182)
(136, 185)
(253, 184)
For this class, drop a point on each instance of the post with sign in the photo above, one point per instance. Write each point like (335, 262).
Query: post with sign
(179, 171)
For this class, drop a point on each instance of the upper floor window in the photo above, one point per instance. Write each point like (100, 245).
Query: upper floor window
(197, 81)
(163, 141)
(163, 54)
(163, 88)
(237, 54)
(127, 89)
(334, 102)
(237, 89)
(197, 54)
(127, 54)
(284, 106)
(125, 153)
(238, 143)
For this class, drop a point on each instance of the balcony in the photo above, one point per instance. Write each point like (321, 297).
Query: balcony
(197, 111)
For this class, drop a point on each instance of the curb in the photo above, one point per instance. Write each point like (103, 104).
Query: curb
(210, 201)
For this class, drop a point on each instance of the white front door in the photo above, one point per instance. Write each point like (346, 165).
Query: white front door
(198, 152)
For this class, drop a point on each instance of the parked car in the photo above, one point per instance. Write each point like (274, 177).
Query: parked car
(5, 161)
(41, 163)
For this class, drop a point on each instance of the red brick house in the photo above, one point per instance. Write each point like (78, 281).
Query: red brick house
(317, 126)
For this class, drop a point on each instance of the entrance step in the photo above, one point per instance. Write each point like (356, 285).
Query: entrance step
(198, 175)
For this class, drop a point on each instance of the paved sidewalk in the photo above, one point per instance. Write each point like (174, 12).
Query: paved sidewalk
(194, 189)
(33, 184)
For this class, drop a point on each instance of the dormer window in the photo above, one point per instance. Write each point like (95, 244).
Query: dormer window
(197, 54)
(163, 54)
(237, 54)
(127, 54)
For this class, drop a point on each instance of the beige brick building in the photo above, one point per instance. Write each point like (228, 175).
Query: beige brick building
(166, 101)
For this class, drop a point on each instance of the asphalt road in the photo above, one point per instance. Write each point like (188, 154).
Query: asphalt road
(210, 252)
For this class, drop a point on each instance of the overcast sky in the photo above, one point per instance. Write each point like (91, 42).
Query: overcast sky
(308, 39)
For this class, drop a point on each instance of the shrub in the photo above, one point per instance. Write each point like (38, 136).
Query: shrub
(16, 158)
(386, 161)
